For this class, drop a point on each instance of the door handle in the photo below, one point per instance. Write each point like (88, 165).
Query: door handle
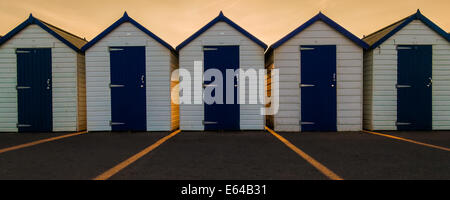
(334, 80)
(430, 83)
(142, 81)
(48, 84)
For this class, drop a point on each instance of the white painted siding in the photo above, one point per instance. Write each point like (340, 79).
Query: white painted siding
(158, 60)
(251, 56)
(349, 78)
(64, 88)
(384, 67)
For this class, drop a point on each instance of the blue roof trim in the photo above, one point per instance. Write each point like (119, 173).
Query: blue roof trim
(416, 16)
(221, 18)
(123, 19)
(32, 20)
(328, 21)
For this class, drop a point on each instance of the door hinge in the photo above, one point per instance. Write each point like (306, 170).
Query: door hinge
(115, 49)
(209, 123)
(306, 48)
(22, 51)
(402, 123)
(210, 49)
(23, 125)
(209, 85)
(404, 48)
(116, 86)
(306, 85)
(22, 87)
(402, 86)
(115, 123)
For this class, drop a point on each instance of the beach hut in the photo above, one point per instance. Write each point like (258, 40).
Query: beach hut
(128, 80)
(221, 44)
(406, 76)
(320, 84)
(41, 79)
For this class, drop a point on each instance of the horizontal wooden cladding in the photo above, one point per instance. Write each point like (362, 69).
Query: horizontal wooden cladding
(251, 56)
(349, 78)
(158, 67)
(381, 75)
(64, 79)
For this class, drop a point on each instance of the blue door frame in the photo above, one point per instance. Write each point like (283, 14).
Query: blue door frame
(34, 90)
(222, 116)
(318, 88)
(414, 87)
(128, 89)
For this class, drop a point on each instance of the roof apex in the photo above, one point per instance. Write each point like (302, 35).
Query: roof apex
(320, 16)
(123, 19)
(69, 39)
(221, 18)
(401, 24)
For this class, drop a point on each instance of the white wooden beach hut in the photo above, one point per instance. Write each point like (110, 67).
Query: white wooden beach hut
(42, 82)
(128, 80)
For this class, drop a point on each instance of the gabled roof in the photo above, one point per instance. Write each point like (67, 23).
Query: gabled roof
(71, 40)
(328, 21)
(123, 19)
(221, 18)
(377, 38)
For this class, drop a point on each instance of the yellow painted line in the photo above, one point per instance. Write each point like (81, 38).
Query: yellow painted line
(324, 170)
(111, 172)
(408, 140)
(40, 142)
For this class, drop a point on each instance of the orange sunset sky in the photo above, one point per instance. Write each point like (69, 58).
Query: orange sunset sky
(175, 20)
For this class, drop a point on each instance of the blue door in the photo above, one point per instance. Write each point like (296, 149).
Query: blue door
(34, 90)
(128, 100)
(222, 116)
(414, 84)
(318, 88)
